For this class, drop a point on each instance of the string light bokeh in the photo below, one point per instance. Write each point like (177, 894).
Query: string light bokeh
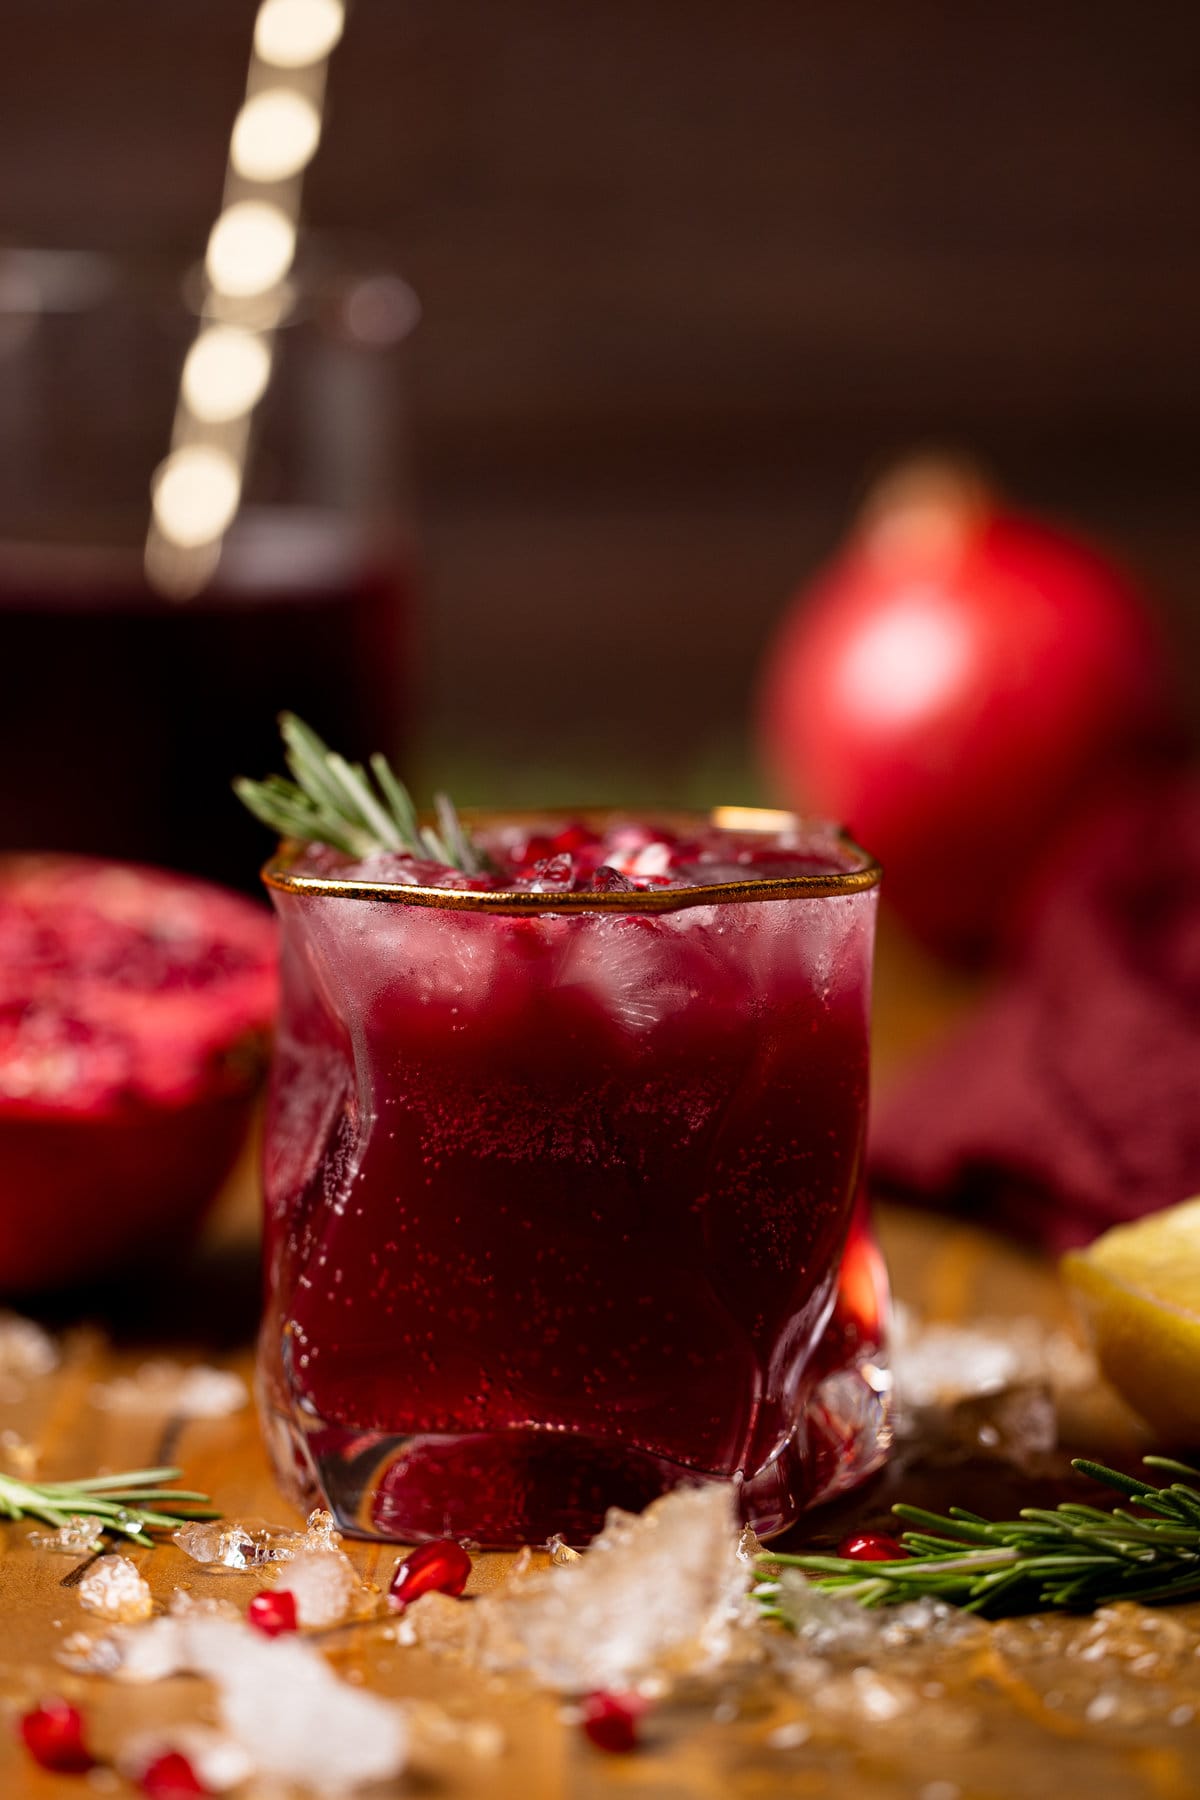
(196, 490)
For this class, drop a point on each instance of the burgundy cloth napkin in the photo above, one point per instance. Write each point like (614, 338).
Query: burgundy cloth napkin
(1072, 1100)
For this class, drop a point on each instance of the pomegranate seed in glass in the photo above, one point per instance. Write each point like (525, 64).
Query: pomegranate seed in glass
(563, 1177)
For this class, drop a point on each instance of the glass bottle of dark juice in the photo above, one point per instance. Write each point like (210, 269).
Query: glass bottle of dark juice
(127, 710)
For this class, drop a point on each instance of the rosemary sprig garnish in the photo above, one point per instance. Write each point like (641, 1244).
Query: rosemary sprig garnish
(332, 801)
(121, 1504)
(1073, 1557)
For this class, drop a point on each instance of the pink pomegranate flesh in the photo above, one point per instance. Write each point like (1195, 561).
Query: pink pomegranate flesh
(134, 1011)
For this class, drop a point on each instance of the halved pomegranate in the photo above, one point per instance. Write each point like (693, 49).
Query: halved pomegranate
(134, 1012)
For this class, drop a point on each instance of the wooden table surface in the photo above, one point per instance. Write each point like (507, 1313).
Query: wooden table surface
(1016, 1736)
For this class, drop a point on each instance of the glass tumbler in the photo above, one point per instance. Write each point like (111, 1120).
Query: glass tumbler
(563, 1201)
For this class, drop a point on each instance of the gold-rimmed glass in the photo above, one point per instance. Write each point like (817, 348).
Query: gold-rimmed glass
(562, 1195)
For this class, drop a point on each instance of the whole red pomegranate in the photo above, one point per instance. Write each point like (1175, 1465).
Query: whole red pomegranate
(950, 687)
(134, 1011)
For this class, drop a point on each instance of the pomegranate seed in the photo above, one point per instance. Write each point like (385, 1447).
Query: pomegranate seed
(572, 838)
(440, 1567)
(610, 1721)
(872, 1546)
(272, 1613)
(553, 872)
(53, 1734)
(534, 849)
(171, 1777)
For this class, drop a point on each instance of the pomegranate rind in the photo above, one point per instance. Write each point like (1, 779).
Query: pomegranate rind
(135, 1007)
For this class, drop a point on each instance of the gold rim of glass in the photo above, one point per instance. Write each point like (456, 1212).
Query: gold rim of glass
(278, 872)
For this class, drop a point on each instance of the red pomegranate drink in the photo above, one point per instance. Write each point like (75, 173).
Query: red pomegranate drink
(561, 1177)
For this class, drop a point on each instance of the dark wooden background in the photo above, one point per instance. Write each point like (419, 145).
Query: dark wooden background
(690, 271)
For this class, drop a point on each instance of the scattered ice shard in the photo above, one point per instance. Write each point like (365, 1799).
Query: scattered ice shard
(936, 1364)
(1128, 1667)
(320, 1532)
(658, 1593)
(86, 1654)
(828, 1624)
(254, 1543)
(238, 1543)
(1019, 1425)
(323, 1583)
(115, 1590)
(608, 880)
(554, 875)
(279, 1700)
(78, 1537)
(218, 1760)
(180, 1390)
(865, 1667)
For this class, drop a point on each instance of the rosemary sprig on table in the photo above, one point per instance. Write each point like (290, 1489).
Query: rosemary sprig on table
(1073, 1557)
(121, 1504)
(332, 801)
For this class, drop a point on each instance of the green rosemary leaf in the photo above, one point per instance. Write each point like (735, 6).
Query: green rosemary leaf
(1167, 1463)
(306, 756)
(454, 835)
(333, 801)
(1073, 1557)
(397, 796)
(96, 1484)
(115, 1502)
(966, 1529)
(298, 818)
(370, 812)
(1130, 1485)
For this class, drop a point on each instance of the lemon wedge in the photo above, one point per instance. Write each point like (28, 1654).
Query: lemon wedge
(1139, 1286)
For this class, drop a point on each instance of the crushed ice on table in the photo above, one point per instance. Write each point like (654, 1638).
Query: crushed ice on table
(238, 1543)
(857, 1667)
(115, 1590)
(218, 1761)
(88, 1654)
(183, 1390)
(26, 1352)
(865, 1697)
(1127, 1667)
(988, 1390)
(936, 1365)
(279, 1700)
(255, 1543)
(183, 1604)
(1019, 1425)
(437, 1738)
(323, 1584)
(78, 1537)
(320, 1531)
(658, 1593)
(827, 1623)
